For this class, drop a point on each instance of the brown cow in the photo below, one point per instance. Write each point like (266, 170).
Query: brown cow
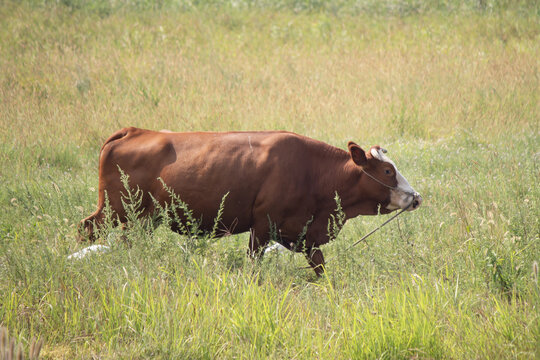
(276, 181)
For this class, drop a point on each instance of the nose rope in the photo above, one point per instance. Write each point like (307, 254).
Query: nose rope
(413, 194)
(364, 238)
(380, 226)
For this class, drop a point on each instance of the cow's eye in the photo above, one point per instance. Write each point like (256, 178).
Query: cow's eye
(388, 172)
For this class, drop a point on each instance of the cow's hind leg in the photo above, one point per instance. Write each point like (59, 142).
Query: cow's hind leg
(89, 226)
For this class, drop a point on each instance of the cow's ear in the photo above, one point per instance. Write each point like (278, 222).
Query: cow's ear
(357, 154)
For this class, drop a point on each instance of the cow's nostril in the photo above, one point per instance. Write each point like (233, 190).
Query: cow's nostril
(417, 200)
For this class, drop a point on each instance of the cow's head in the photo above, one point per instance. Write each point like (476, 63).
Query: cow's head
(382, 182)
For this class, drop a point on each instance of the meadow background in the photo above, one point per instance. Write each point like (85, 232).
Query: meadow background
(450, 88)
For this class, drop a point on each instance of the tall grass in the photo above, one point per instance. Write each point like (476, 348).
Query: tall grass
(450, 88)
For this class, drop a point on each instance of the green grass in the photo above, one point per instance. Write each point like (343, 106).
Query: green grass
(451, 89)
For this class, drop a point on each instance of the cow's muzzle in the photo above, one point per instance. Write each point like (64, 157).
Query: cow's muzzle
(416, 201)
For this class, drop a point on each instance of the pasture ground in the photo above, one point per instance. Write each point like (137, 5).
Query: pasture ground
(451, 89)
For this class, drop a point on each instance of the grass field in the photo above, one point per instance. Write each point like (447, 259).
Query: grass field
(451, 89)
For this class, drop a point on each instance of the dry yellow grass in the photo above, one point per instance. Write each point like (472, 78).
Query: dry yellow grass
(81, 77)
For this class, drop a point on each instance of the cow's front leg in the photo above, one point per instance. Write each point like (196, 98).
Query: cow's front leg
(316, 236)
(315, 258)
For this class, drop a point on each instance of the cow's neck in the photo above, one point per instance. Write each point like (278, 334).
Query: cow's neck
(355, 200)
